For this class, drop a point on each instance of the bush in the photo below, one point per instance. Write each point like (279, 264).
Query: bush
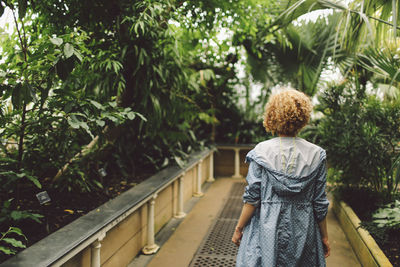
(360, 133)
(388, 216)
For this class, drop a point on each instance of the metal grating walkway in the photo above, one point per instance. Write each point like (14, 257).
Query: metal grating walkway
(217, 249)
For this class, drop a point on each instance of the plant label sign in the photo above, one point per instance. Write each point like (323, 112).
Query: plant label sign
(43, 197)
(102, 172)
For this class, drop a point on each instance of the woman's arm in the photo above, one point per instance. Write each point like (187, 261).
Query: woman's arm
(251, 199)
(324, 235)
(320, 205)
(247, 213)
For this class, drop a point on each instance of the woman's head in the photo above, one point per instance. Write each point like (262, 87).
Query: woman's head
(287, 112)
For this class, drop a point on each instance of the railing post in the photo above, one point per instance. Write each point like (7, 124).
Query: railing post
(150, 247)
(211, 174)
(95, 251)
(198, 192)
(180, 213)
(237, 164)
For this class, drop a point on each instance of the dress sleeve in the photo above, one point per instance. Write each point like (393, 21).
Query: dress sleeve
(320, 201)
(252, 193)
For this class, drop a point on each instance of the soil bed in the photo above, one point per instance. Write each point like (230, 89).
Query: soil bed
(65, 207)
(364, 202)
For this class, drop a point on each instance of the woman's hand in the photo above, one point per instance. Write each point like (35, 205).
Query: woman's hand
(327, 247)
(324, 235)
(237, 236)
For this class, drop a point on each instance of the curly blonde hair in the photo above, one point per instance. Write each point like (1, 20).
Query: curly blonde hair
(287, 112)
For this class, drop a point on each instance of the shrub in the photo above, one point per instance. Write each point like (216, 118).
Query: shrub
(388, 216)
(360, 133)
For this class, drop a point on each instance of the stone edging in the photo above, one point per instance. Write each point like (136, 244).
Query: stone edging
(365, 247)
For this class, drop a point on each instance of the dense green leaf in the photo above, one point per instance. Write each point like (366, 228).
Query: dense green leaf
(97, 183)
(28, 93)
(68, 50)
(97, 104)
(74, 122)
(34, 180)
(78, 55)
(388, 216)
(57, 41)
(64, 67)
(13, 242)
(179, 161)
(7, 251)
(131, 115)
(16, 230)
(101, 123)
(141, 116)
(16, 215)
(16, 97)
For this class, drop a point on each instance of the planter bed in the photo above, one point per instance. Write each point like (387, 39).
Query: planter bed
(120, 227)
(364, 245)
(66, 207)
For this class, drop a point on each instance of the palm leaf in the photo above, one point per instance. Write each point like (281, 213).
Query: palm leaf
(290, 10)
(362, 22)
(383, 62)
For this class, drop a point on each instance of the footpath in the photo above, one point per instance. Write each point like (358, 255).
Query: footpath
(203, 237)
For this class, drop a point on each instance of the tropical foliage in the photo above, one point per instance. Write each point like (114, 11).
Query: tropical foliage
(96, 90)
(8, 244)
(81, 80)
(361, 135)
(388, 216)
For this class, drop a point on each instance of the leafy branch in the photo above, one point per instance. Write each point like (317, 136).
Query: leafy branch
(8, 245)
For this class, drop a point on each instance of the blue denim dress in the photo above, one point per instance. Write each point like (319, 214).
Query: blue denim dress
(286, 181)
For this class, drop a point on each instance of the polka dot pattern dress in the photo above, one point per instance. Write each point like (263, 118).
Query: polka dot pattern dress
(284, 228)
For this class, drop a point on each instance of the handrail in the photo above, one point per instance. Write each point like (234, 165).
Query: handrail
(91, 229)
(236, 148)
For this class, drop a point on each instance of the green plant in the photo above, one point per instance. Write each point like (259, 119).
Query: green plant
(357, 196)
(92, 118)
(360, 133)
(11, 215)
(8, 245)
(388, 216)
(394, 175)
(334, 175)
(10, 177)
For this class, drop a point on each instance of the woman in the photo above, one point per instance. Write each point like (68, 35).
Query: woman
(283, 220)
